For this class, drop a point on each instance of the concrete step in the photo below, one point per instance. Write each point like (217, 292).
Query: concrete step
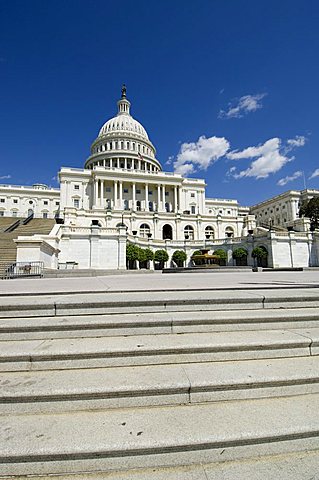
(294, 466)
(157, 436)
(156, 349)
(151, 302)
(88, 389)
(156, 323)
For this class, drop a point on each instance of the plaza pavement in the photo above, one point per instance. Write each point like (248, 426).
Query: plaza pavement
(159, 281)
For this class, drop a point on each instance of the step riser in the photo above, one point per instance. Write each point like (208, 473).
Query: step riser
(51, 310)
(24, 334)
(125, 359)
(64, 404)
(104, 461)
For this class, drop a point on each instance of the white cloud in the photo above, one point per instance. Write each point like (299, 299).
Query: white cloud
(5, 177)
(291, 178)
(269, 160)
(200, 154)
(243, 105)
(314, 174)
(298, 141)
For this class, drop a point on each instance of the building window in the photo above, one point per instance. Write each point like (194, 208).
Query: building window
(150, 206)
(144, 230)
(209, 233)
(166, 194)
(189, 232)
(1, 213)
(193, 209)
(45, 215)
(30, 202)
(45, 202)
(125, 190)
(15, 201)
(2, 200)
(193, 195)
(138, 206)
(57, 203)
(150, 192)
(167, 207)
(229, 231)
(76, 187)
(108, 189)
(76, 202)
(14, 214)
(138, 190)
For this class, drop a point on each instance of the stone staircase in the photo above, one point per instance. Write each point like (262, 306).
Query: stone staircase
(174, 385)
(8, 249)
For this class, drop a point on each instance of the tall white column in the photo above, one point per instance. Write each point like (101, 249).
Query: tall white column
(102, 193)
(134, 196)
(163, 192)
(139, 164)
(175, 200)
(96, 192)
(159, 203)
(115, 193)
(111, 163)
(121, 195)
(125, 163)
(146, 197)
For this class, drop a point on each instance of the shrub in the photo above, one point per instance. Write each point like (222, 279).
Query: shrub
(240, 253)
(160, 256)
(221, 253)
(179, 257)
(259, 252)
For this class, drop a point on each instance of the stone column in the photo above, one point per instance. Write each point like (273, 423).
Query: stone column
(146, 197)
(111, 162)
(139, 164)
(96, 192)
(125, 163)
(159, 203)
(115, 193)
(102, 193)
(163, 192)
(134, 196)
(175, 200)
(121, 195)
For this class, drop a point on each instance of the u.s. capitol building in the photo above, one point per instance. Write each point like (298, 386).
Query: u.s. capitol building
(122, 194)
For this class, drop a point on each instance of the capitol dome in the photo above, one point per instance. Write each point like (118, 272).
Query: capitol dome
(122, 142)
(123, 123)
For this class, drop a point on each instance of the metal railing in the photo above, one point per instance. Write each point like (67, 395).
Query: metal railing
(24, 269)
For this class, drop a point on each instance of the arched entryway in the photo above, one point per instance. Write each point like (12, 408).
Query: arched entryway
(30, 212)
(167, 232)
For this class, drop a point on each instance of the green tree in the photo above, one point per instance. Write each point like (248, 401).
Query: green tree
(179, 257)
(310, 209)
(240, 255)
(161, 256)
(222, 256)
(261, 255)
(132, 252)
(149, 254)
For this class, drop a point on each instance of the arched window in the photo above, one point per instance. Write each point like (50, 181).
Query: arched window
(125, 204)
(138, 205)
(209, 233)
(144, 230)
(229, 231)
(167, 232)
(167, 207)
(151, 206)
(189, 232)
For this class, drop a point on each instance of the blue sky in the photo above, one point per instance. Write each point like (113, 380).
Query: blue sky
(227, 90)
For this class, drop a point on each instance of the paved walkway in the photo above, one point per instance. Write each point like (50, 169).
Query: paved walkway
(159, 281)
